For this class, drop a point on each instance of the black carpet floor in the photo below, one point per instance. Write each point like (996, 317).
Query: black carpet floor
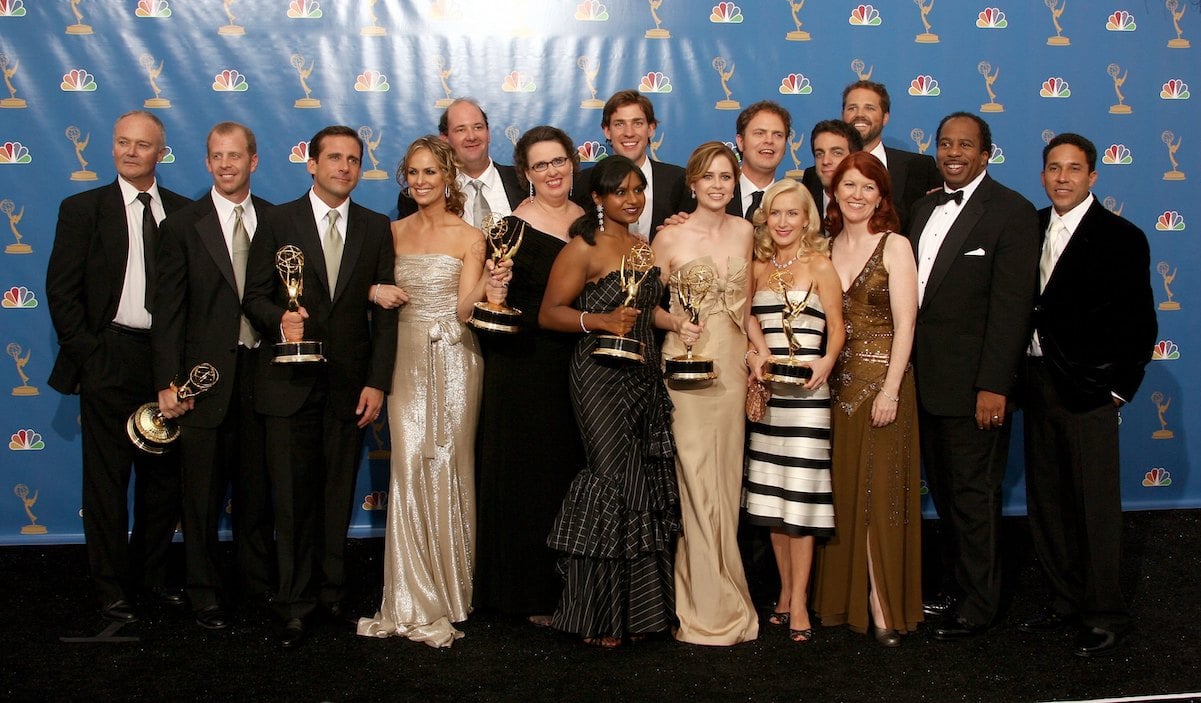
(47, 596)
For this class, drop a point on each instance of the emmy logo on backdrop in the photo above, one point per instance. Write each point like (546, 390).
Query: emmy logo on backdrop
(798, 34)
(795, 142)
(590, 67)
(14, 350)
(379, 446)
(33, 528)
(12, 100)
(502, 247)
(857, 68)
(1168, 137)
(443, 74)
(146, 61)
(83, 174)
(990, 77)
(79, 27)
(1121, 108)
(918, 135)
(635, 265)
(926, 37)
(1111, 203)
(1161, 410)
(1179, 42)
(658, 32)
(1047, 135)
(653, 146)
(307, 102)
(791, 370)
(1168, 278)
(6, 207)
(719, 65)
(373, 29)
(155, 434)
(375, 173)
(512, 133)
(289, 264)
(691, 289)
(1057, 7)
(232, 29)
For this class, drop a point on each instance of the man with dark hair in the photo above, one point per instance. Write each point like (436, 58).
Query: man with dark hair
(491, 188)
(866, 106)
(99, 288)
(1094, 326)
(628, 122)
(761, 135)
(976, 246)
(201, 278)
(831, 141)
(315, 412)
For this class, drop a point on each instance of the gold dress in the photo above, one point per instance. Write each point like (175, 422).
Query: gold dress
(712, 601)
(876, 475)
(432, 411)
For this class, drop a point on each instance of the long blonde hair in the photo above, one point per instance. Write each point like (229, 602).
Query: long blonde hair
(812, 241)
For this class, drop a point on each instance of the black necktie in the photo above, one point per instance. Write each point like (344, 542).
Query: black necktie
(943, 197)
(756, 199)
(149, 232)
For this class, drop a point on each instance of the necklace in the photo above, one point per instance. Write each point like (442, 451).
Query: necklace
(781, 266)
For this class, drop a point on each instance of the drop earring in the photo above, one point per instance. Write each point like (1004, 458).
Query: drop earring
(694, 193)
(600, 217)
(531, 190)
(446, 192)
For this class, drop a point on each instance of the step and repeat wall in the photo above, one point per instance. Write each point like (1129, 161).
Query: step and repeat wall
(1117, 71)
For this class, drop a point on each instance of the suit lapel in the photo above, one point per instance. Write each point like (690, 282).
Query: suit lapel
(896, 170)
(310, 241)
(208, 228)
(972, 211)
(1078, 243)
(111, 213)
(356, 231)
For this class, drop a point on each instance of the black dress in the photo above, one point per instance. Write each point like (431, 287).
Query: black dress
(529, 447)
(618, 525)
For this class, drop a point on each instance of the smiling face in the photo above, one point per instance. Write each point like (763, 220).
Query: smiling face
(554, 181)
(863, 111)
(1066, 177)
(715, 188)
(231, 163)
(424, 177)
(961, 153)
(469, 136)
(630, 132)
(137, 148)
(858, 197)
(829, 149)
(625, 203)
(787, 220)
(762, 145)
(336, 169)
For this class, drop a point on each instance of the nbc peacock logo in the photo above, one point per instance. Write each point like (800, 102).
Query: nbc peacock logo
(1117, 155)
(12, 8)
(991, 18)
(1170, 221)
(26, 440)
(795, 84)
(1055, 87)
(152, 9)
(592, 11)
(1174, 89)
(299, 153)
(375, 500)
(997, 156)
(725, 13)
(78, 80)
(14, 153)
(19, 297)
(371, 82)
(924, 86)
(518, 82)
(655, 82)
(304, 10)
(1165, 350)
(1157, 477)
(168, 156)
(592, 151)
(230, 81)
(1120, 21)
(865, 16)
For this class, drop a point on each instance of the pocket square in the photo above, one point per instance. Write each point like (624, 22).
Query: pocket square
(979, 251)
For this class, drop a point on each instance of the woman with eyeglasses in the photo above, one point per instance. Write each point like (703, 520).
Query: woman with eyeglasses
(529, 447)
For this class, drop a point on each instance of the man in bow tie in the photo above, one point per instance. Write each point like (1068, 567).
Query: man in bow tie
(976, 245)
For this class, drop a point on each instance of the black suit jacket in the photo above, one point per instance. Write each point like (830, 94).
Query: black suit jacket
(86, 273)
(197, 306)
(359, 338)
(1096, 317)
(973, 323)
(508, 177)
(669, 193)
(913, 175)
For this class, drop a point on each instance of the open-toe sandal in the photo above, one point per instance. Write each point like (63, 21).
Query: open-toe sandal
(778, 619)
(801, 636)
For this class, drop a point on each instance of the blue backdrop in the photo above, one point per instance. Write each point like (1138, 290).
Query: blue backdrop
(1118, 72)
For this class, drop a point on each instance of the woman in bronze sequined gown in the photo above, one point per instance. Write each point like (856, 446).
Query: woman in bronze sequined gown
(873, 563)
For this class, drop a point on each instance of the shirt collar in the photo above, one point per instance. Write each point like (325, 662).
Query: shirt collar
(321, 210)
(1071, 219)
(225, 207)
(129, 192)
(968, 189)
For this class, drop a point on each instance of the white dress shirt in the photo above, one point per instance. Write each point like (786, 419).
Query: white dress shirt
(493, 191)
(1070, 220)
(227, 218)
(747, 190)
(935, 232)
(131, 310)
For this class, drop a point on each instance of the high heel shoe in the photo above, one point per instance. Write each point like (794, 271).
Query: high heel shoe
(888, 638)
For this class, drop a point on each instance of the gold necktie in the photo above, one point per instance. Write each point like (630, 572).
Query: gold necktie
(247, 337)
(332, 244)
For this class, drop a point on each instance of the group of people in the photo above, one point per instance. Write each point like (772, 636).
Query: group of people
(557, 473)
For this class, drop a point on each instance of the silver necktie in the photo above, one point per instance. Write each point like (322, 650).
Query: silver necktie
(332, 244)
(247, 337)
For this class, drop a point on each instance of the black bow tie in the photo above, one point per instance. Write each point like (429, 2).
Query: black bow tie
(943, 197)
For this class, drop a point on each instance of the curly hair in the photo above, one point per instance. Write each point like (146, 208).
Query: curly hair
(885, 218)
(536, 135)
(444, 156)
(812, 241)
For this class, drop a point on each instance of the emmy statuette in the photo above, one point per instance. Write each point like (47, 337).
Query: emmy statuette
(691, 288)
(289, 262)
(153, 433)
(635, 265)
(791, 370)
(490, 316)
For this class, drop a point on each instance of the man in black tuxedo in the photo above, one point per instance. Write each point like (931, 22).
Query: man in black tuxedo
(101, 304)
(1094, 327)
(830, 142)
(976, 246)
(761, 135)
(866, 106)
(201, 276)
(315, 412)
(628, 122)
(491, 188)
